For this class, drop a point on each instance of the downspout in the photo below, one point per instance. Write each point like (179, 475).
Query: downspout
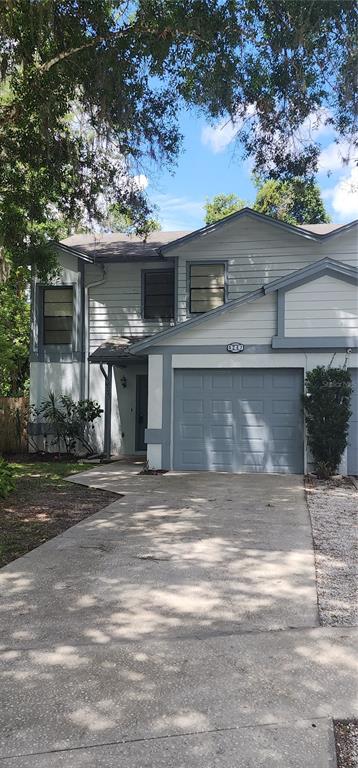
(107, 409)
(87, 287)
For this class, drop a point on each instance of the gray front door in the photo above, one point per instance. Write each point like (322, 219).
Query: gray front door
(239, 420)
(141, 411)
(352, 453)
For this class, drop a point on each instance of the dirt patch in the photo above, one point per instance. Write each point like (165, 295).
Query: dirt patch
(346, 735)
(333, 506)
(44, 505)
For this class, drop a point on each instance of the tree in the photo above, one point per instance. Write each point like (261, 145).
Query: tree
(221, 206)
(296, 202)
(14, 334)
(327, 414)
(116, 221)
(272, 67)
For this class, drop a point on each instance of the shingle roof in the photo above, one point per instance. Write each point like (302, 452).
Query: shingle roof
(116, 348)
(117, 246)
(320, 229)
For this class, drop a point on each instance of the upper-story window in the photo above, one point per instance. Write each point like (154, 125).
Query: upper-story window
(57, 315)
(158, 294)
(207, 287)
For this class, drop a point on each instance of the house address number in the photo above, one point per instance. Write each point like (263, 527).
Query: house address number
(235, 346)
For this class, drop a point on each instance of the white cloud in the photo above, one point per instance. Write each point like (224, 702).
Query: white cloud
(141, 181)
(177, 213)
(219, 136)
(335, 156)
(344, 196)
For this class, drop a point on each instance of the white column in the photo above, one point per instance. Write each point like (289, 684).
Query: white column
(155, 408)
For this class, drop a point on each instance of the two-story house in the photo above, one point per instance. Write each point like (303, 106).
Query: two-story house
(197, 344)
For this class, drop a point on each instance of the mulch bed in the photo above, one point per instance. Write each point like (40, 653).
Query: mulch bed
(44, 505)
(346, 735)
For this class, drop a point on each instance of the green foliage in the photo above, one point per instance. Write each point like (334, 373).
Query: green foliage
(7, 483)
(297, 201)
(14, 334)
(117, 221)
(71, 421)
(221, 206)
(327, 413)
(89, 89)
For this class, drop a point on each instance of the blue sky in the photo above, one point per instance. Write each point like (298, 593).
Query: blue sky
(210, 164)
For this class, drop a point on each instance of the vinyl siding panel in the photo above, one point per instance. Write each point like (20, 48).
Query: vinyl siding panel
(115, 306)
(322, 307)
(252, 323)
(257, 253)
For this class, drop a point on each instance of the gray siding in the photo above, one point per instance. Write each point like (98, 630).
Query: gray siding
(251, 323)
(257, 253)
(323, 307)
(115, 307)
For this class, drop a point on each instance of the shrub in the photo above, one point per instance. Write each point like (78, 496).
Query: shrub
(71, 421)
(7, 483)
(327, 413)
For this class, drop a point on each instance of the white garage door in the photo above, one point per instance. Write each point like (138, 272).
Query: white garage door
(353, 427)
(239, 420)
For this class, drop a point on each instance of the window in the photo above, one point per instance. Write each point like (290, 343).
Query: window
(207, 287)
(158, 299)
(58, 315)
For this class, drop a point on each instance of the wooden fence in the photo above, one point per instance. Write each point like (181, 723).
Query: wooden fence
(13, 424)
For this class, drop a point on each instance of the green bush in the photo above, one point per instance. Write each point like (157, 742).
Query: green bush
(71, 421)
(7, 483)
(327, 413)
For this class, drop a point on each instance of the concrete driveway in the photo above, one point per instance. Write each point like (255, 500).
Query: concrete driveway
(177, 627)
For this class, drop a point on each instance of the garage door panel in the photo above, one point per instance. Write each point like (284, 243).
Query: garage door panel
(252, 407)
(284, 432)
(196, 459)
(221, 406)
(196, 381)
(193, 406)
(252, 380)
(221, 381)
(191, 431)
(220, 430)
(244, 420)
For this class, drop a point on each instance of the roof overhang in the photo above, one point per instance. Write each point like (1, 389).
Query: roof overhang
(114, 351)
(72, 251)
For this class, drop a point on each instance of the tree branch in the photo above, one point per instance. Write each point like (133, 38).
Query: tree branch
(46, 66)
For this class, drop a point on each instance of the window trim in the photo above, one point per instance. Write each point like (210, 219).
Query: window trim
(160, 270)
(59, 348)
(203, 262)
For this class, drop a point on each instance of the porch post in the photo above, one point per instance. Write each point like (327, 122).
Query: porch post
(107, 408)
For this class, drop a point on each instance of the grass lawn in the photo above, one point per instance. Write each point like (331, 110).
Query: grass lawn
(43, 505)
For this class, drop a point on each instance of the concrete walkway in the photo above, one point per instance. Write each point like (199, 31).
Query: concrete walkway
(177, 627)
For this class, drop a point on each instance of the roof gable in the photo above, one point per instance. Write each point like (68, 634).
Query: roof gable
(309, 232)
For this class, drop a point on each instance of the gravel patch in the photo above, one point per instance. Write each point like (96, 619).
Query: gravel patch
(346, 735)
(333, 506)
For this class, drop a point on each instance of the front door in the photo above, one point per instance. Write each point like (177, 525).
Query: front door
(141, 411)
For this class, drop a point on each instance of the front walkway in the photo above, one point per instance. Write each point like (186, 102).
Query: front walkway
(177, 627)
